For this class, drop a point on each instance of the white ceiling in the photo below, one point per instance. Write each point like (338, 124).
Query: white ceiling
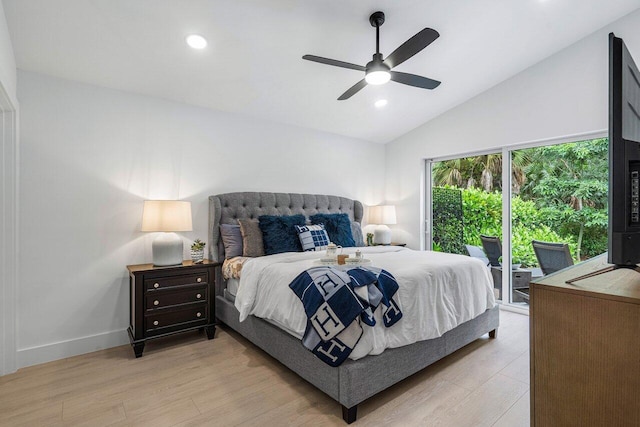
(253, 63)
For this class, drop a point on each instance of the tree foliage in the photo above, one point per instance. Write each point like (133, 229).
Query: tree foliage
(483, 172)
(570, 181)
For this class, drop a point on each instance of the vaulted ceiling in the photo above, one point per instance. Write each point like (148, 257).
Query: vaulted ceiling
(253, 66)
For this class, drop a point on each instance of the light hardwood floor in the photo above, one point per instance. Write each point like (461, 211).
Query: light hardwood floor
(187, 380)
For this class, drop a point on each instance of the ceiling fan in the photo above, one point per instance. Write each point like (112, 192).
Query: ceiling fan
(378, 71)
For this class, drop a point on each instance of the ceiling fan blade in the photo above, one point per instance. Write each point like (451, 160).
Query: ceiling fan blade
(412, 46)
(333, 62)
(413, 80)
(353, 90)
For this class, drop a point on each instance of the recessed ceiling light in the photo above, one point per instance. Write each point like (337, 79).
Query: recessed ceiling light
(196, 41)
(381, 103)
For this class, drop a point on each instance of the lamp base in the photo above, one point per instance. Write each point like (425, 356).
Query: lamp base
(382, 235)
(167, 250)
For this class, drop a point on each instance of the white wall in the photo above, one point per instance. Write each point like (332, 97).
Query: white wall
(90, 156)
(566, 94)
(8, 207)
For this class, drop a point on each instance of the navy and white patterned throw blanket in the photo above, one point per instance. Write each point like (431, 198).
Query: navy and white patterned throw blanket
(336, 301)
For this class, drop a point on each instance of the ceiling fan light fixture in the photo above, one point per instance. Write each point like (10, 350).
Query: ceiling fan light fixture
(377, 73)
(377, 77)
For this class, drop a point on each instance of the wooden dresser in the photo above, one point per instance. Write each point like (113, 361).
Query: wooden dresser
(167, 300)
(585, 348)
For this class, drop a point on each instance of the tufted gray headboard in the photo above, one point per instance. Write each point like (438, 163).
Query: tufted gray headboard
(228, 208)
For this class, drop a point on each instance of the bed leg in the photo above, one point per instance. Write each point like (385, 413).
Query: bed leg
(493, 334)
(349, 415)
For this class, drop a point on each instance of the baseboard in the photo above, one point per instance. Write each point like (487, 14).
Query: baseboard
(514, 309)
(63, 349)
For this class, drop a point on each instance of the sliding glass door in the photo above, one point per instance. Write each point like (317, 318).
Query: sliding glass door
(466, 195)
(559, 207)
(549, 201)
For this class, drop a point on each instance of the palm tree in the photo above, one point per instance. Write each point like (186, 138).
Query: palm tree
(450, 172)
(520, 160)
(481, 171)
(491, 165)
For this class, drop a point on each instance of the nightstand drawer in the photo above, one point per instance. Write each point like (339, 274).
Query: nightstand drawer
(171, 281)
(164, 299)
(163, 322)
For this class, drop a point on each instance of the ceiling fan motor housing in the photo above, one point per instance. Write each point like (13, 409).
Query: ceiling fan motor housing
(377, 64)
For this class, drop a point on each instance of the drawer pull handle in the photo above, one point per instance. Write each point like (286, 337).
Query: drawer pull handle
(156, 285)
(199, 279)
(155, 323)
(198, 296)
(156, 302)
(199, 314)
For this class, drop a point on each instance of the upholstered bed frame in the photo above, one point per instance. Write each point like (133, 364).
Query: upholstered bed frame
(355, 380)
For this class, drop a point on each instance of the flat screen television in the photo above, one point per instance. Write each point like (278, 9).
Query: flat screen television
(624, 156)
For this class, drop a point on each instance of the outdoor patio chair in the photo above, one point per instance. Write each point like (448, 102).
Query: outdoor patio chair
(552, 257)
(492, 248)
(477, 252)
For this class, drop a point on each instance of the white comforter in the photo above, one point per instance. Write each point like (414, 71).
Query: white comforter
(437, 293)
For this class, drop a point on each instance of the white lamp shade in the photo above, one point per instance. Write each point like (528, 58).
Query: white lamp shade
(383, 214)
(166, 215)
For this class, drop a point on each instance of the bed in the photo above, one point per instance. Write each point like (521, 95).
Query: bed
(354, 380)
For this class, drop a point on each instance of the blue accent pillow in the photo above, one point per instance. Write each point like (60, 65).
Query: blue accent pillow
(313, 237)
(338, 227)
(279, 233)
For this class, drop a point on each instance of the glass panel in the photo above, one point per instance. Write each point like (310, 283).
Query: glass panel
(559, 198)
(466, 203)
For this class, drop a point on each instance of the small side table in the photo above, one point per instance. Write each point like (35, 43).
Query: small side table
(169, 300)
(520, 279)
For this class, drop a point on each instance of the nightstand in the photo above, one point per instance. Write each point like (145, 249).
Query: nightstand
(169, 300)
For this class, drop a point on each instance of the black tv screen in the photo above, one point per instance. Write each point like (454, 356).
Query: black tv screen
(624, 156)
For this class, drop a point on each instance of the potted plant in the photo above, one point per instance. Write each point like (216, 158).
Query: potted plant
(369, 239)
(197, 251)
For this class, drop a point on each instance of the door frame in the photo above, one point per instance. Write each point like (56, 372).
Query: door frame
(8, 232)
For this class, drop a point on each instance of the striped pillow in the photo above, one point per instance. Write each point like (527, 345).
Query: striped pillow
(313, 237)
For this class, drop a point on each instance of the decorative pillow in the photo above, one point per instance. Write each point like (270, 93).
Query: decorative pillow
(231, 239)
(279, 233)
(356, 231)
(232, 267)
(252, 245)
(338, 227)
(313, 237)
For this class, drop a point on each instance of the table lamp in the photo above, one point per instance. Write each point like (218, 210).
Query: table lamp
(167, 216)
(382, 215)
